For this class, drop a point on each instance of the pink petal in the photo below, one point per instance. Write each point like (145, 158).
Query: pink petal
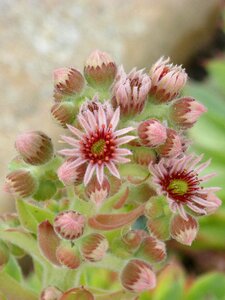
(115, 118)
(122, 151)
(68, 152)
(123, 131)
(76, 163)
(84, 124)
(75, 131)
(89, 172)
(125, 139)
(101, 117)
(71, 141)
(112, 169)
(100, 173)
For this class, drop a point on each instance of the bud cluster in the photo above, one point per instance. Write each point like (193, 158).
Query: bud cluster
(125, 162)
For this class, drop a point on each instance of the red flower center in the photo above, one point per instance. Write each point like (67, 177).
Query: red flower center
(99, 147)
(180, 186)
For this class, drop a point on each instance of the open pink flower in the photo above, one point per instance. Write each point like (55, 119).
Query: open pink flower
(179, 180)
(98, 144)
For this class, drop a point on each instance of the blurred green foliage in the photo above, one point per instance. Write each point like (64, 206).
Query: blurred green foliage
(209, 138)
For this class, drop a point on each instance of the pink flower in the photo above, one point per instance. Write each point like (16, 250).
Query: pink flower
(179, 180)
(167, 80)
(98, 144)
(130, 92)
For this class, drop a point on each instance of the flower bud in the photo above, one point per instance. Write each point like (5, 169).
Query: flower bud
(133, 238)
(69, 224)
(35, 147)
(77, 293)
(184, 231)
(152, 133)
(130, 91)
(94, 247)
(186, 111)
(97, 193)
(143, 155)
(172, 146)
(68, 256)
(4, 254)
(167, 80)
(152, 250)
(159, 227)
(20, 183)
(63, 113)
(71, 176)
(68, 81)
(137, 276)
(100, 69)
(51, 293)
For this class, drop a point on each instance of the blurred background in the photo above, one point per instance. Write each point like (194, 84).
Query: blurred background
(38, 36)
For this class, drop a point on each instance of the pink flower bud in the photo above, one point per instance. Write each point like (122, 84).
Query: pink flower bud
(167, 80)
(152, 133)
(97, 193)
(35, 147)
(71, 175)
(51, 293)
(172, 146)
(68, 256)
(68, 81)
(94, 247)
(63, 113)
(159, 227)
(186, 111)
(69, 224)
(184, 231)
(137, 276)
(100, 69)
(152, 250)
(20, 183)
(130, 91)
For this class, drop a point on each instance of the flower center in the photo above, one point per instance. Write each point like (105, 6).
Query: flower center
(178, 187)
(98, 147)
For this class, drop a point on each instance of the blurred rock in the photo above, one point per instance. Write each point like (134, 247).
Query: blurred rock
(39, 36)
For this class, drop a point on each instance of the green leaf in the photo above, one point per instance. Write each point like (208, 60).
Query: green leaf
(31, 214)
(209, 286)
(12, 290)
(23, 240)
(13, 269)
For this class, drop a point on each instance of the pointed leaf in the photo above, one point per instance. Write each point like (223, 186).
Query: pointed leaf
(48, 241)
(114, 221)
(25, 217)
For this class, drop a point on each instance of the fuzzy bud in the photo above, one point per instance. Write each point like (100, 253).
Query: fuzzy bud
(137, 276)
(133, 238)
(143, 155)
(69, 224)
(51, 293)
(94, 247)
(100, 69)
(68, 256)
(63, 113)
(184, 231)
(68, 81)
(35, 147)
(152, 250)
(20, 183)
(152, 133)
(186, 111)
(130, 91)
(70, 176)
(97, 193)
(167, 80)
(79, 293)
(172, 146)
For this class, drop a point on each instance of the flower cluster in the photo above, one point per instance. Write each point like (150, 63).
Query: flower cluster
(125, 156)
